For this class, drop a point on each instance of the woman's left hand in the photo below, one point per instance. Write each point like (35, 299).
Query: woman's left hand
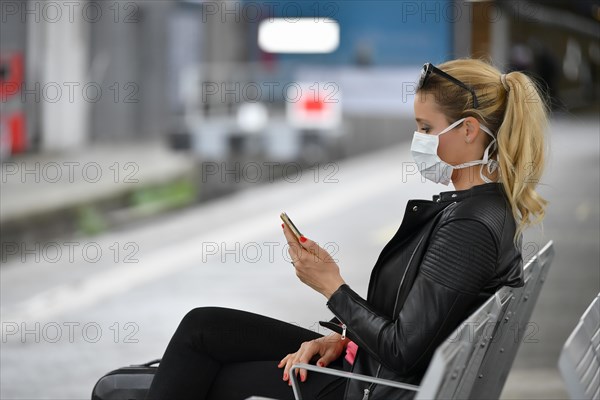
(314, 265)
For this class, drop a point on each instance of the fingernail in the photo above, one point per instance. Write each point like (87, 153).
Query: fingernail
(302, 239)
(302, 378)
(282, 225)
(320, 364)
(285, 377)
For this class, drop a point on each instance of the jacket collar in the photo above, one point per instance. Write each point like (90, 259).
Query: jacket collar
(458, 195)
(418, 211)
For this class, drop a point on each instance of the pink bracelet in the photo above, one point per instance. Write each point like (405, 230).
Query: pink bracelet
(351, 348)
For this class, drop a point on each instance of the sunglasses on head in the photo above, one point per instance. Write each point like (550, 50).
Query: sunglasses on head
(429, 68)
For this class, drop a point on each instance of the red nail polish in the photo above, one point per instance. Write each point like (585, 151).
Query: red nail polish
(302, 239)
(282, 225)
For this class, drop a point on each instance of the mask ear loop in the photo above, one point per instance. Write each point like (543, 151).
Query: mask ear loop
(451, 126)
(491, 164)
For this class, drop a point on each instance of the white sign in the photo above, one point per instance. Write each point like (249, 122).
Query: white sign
(303, 35)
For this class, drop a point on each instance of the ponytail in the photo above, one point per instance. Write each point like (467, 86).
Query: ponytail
(521, 149)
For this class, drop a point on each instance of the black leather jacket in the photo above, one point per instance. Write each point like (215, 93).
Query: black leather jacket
(449, 255)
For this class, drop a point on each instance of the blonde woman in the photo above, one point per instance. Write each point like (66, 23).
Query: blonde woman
(477, 128)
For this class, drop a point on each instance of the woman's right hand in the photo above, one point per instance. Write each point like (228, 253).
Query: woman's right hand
(329, 348)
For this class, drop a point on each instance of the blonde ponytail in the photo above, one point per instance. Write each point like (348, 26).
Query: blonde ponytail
(522, 149)
(511, 106)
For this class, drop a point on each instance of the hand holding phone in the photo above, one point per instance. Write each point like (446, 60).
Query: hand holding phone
(319, 272)
(294, 229)
(286, 220)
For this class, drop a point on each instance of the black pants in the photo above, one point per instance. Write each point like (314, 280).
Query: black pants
(221, 353)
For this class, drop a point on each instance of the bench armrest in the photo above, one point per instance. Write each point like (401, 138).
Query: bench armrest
(344, 374)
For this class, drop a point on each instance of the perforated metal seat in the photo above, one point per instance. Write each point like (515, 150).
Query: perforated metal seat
(579, 361)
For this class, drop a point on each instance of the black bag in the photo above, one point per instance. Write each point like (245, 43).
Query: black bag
(127, 383)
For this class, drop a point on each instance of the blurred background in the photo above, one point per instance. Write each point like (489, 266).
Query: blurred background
(148, 147)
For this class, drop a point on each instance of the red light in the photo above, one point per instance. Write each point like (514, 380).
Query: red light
(313, 106)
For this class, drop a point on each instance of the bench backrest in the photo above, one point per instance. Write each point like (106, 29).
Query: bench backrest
(476, 358)
(579, 361)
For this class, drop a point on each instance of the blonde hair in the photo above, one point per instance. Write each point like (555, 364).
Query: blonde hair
(511, 107)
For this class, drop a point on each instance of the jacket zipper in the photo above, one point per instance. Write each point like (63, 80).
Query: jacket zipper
(368, 391)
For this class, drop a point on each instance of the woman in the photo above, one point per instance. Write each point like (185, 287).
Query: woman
(448, 256)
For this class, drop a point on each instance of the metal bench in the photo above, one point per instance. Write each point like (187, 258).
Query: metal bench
(474, 361)
(579, 360)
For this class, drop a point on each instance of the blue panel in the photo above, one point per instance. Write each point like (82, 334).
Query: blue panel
(392, 32)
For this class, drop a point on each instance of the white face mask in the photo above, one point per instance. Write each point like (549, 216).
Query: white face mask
(424, 151)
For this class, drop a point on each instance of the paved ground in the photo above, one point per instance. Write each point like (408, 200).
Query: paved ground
(70, 316)
(99, 173)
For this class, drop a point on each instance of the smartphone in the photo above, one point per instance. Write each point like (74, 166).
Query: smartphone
(290, 224)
